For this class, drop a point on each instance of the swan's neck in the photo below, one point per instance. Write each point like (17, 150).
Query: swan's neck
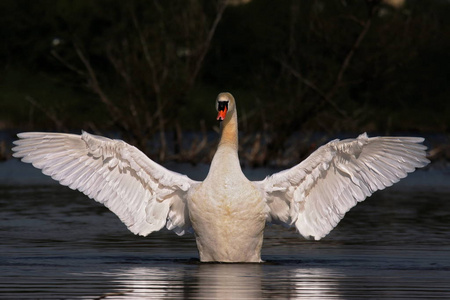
(226, 161)
(229, 132)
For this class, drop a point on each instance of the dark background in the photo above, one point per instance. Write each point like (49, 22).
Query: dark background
(301, 71)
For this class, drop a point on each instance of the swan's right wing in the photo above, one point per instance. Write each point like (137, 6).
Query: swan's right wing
(143, 194)
(315, 194)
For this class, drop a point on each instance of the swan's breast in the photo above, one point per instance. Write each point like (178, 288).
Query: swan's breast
(228, 200)
(228, 216)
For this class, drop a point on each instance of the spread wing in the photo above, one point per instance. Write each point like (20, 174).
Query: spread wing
(315, 194)
(143, 194)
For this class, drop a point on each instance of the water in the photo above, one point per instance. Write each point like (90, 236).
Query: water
(58, 244)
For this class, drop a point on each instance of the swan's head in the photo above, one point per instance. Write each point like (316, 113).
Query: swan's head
(225, 105)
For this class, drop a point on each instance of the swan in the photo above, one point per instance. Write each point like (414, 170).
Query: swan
(226, 212)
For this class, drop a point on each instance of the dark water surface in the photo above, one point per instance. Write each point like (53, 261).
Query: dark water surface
(58, 244)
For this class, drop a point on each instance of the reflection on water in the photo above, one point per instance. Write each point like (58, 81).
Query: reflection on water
(224, 281)
(219, 281)
(56, 243)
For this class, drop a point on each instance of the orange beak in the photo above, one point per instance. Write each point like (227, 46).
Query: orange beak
(222, 114)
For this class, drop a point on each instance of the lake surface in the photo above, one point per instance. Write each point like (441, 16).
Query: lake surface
(58, 244)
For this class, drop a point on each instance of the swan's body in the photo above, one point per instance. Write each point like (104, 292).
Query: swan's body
(226, 211)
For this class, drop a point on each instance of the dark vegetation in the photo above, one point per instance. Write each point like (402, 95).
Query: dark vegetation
(149, 71)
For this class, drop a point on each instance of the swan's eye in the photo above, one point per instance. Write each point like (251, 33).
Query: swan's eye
(222, 105)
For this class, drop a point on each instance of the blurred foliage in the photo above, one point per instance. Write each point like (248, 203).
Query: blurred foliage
(147, 68)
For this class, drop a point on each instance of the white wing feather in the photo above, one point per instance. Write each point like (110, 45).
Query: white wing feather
(315, 194)
(142, 193)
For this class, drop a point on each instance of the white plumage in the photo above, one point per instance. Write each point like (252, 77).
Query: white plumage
(226, 211)
(315, 194)
(144, 195)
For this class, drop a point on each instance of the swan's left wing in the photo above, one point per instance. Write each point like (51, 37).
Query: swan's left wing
(143, 194)
(315, 194)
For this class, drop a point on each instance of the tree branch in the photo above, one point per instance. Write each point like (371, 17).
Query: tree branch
(95, 86)
(315, 88)
(66, 63)
(49, 113)
(220, 10)
(148, 58)
(346, 62)
(327, 96)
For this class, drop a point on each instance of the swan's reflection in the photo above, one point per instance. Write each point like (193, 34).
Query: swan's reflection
(216, 281)
(226, 281)
(229, 281)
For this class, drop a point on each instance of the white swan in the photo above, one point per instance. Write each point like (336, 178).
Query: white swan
(226, 211)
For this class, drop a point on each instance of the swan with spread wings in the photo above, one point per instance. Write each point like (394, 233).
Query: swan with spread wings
(226, 211)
